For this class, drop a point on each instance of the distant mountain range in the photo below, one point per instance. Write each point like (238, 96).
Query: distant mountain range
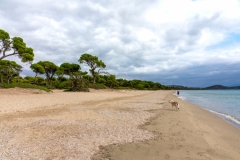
(214, 87)
(222, 87)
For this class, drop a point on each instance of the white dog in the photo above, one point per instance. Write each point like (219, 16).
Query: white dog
(174, 104)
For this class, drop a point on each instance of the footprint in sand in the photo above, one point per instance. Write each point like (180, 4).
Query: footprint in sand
(179, 146)
(171, 147)
(166, 156)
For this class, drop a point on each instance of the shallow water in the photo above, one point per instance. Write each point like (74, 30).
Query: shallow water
(224, 103)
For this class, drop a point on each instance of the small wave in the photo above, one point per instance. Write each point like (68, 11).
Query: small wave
(182, 98)
(226, 116)
(208, 100)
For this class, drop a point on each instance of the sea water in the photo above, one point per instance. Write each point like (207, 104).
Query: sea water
(224, 103)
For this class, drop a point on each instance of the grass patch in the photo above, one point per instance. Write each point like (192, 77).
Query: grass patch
(24, 85)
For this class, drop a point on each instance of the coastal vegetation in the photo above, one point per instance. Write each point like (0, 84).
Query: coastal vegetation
(66, 76)
(14, 46)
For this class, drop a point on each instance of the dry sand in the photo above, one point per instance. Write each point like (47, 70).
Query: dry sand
(106, 124)
(65, 125)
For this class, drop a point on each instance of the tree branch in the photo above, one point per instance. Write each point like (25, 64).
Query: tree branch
(4, 56)
(100, 72)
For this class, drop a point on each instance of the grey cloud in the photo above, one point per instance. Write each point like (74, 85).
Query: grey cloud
(62, 31)
(198, 22)
(196, 75)
(185, 39)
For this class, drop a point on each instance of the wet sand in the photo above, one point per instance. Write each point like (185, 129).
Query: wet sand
(191, 133)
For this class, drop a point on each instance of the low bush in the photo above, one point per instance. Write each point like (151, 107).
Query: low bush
(97, 86)
(23, 85)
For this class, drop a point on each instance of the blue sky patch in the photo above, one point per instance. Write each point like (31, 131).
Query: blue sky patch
(231, 40)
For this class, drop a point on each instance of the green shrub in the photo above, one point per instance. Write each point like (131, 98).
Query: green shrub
(124, 88)
(23, 85)
(39, 80)
(140, 86)
(97, 86)
(25, 81)
(78, 84)
(63, 85)
(101, 80)
(29, 78)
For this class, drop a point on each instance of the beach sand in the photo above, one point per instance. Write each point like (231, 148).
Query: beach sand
(110, 124)
(191, 133)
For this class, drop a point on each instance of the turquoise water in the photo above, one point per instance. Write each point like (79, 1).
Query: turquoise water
(224, 103)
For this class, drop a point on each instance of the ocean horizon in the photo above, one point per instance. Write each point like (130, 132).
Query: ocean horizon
(224, 103)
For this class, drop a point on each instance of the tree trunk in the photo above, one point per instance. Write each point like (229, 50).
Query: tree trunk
(8, 80)
(94, 79)
(1, 79)
(35, 78)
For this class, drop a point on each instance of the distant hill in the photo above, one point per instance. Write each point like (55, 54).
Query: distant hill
(177, 86)
(183, 87)
(237, 87)
(214, 87)
(221, 87)
(217, 87)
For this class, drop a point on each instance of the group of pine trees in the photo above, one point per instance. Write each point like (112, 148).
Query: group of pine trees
(66, 76)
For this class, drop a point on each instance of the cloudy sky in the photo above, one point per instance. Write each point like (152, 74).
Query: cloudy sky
(193, 43)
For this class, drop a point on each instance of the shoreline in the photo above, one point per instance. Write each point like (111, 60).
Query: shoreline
(191, 133)
(228, 118)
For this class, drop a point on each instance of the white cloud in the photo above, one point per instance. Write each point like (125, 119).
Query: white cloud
(161, 39)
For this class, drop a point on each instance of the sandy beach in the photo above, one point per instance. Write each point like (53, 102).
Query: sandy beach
(110, 124)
